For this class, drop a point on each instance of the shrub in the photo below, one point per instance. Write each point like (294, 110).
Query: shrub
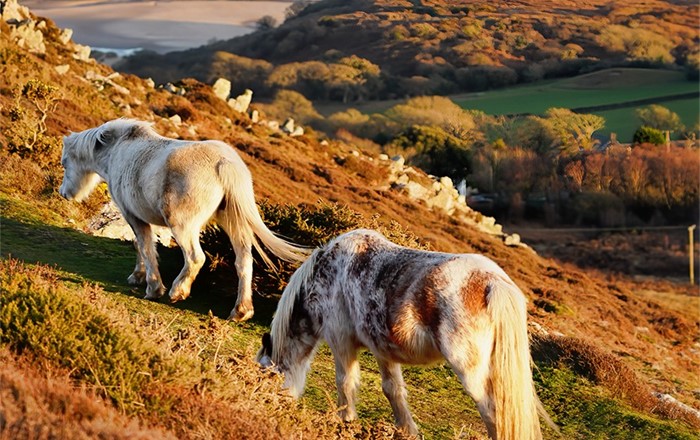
(291, 104)
(598, 208)
(26, 136)
(660, 117)
(423, 31)
(398, 33)
(648, 135)
(309, 225)
(41, 316)
(435, 111)
(266, 22)
(241, 71)
(437, 152)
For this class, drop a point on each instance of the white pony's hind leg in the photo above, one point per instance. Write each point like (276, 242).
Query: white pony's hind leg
(244, 269)
(147, 256)
(394, 389)
(187, 237)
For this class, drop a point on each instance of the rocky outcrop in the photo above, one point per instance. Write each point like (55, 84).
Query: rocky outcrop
(222, 88)
(440, 193)
(101, 82)
(24, 30)
(28, 32)
(110, 223)
(242, 102)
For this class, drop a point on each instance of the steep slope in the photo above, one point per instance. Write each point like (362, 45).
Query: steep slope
(640, 334)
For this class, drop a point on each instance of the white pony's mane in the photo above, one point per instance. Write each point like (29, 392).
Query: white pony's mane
(83, 143)
(297, 284)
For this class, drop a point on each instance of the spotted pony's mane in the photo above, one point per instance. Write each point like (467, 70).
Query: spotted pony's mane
(297, 285)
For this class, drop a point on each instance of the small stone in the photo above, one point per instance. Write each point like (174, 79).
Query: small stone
(82, 53)
(446, 182)
(62, 69)
(512, 240)
(288, 125)
(398, 161)
(65, 35)
(176, 120)
(222, 88)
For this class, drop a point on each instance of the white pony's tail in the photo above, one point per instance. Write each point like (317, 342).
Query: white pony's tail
(243, 219)
(513, 391)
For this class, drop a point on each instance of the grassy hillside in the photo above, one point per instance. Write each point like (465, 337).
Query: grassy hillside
(382, 49)
(73, 332)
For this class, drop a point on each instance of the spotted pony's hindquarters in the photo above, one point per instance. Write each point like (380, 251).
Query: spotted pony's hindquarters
(409, 307)
(160, 181)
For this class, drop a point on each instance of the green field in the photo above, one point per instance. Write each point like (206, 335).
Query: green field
(613, 86)
(624, 121)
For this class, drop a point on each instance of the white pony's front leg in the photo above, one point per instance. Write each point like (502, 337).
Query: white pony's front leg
(138, 276)
(148, 257)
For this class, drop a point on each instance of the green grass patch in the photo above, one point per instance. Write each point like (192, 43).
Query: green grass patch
(95, 259)
(585, 411)
(41, 315)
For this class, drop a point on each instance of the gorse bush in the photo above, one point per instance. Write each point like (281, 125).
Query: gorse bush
(307, 225)
(26, 136)
(41, 316)
(648, 135)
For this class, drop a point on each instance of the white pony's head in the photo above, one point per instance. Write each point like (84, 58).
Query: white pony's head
(80, 151)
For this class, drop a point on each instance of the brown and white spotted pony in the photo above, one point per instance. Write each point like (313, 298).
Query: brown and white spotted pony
(156, 180)
(409, 307)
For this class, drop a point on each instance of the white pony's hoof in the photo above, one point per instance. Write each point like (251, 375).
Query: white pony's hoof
(241, 315)
(154, 294)
(136, 279)
(177, 296)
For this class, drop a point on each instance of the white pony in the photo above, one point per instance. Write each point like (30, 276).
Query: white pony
(409, 307)
(156, 180)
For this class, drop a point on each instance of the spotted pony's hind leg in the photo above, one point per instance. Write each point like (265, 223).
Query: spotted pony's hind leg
(347, 378)
(394, 389)
(472, 366)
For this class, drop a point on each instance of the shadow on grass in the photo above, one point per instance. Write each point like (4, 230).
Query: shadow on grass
(109, 262)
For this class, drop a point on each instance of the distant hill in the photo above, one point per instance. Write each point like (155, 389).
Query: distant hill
(364, 49)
